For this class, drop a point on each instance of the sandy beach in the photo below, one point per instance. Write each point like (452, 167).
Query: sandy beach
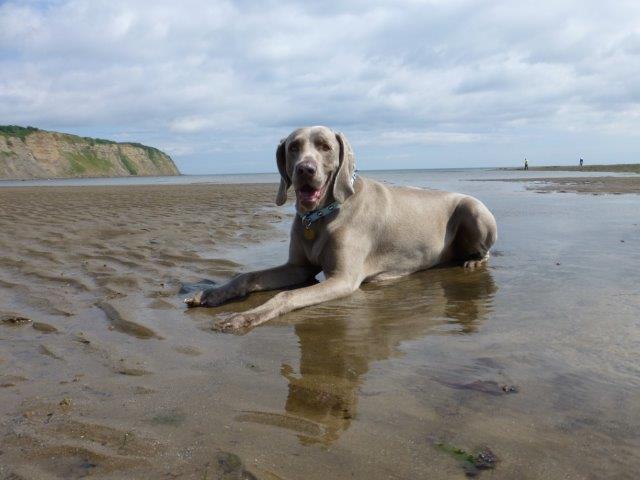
(104, 373)
(90, 309)
(611, 182)
(613, 168)
(586, 185)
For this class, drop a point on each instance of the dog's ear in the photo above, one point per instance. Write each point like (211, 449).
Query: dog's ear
(285, 181)
(343, 184)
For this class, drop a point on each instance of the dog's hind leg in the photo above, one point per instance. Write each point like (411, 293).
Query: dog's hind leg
(475, 234)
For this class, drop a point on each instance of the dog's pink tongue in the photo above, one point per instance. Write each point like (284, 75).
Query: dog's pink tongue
(309, 195)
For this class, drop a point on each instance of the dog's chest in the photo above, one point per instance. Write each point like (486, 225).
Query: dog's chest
(313, 248)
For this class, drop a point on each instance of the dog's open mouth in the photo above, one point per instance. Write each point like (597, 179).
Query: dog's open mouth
(309, 196)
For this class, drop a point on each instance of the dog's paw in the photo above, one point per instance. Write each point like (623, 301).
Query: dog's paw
(471, 264)
(211, 297)
(236, 323)
(195, 300)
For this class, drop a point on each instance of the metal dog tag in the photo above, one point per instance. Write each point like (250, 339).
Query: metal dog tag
(309, 234)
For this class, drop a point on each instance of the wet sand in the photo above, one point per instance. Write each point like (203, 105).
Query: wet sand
(104, 373)
(613, 168)
(590, 185)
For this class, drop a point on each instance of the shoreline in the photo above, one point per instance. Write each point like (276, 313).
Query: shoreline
(594, 185)
(583, 185)
(81, 177)
(618, 168)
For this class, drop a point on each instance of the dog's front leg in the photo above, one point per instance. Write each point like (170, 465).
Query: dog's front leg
(283, 302)
(286, 275)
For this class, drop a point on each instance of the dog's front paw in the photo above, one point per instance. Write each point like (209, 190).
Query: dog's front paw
(195, 300)
(236, 323)
(211, 297)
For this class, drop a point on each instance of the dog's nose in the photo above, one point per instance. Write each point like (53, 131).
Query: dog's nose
(306, 167)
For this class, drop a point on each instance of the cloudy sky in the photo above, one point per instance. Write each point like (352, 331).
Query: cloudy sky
(413, 84)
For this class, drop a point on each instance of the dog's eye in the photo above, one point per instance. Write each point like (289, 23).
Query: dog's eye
(325, 147)
(294, 147)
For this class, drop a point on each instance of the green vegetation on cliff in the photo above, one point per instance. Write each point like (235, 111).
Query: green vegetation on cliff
(87, 160)
(28, 152)
(17, 131)
(128, 164)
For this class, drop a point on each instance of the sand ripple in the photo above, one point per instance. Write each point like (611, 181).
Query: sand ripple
(72, 258)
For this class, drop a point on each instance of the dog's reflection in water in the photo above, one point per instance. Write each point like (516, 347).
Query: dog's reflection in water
(337, 345)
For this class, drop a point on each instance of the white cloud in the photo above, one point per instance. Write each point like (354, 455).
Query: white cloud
(434, 138)
(214, 79)
(190, 124)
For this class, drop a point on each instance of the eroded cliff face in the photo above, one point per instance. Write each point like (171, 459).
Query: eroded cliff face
(27, 153)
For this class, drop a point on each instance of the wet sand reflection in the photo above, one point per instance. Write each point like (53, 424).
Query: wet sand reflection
(338, 344)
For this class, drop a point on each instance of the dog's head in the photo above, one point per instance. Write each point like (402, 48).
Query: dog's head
(319, 163)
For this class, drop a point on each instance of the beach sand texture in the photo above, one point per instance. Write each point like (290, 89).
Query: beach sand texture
(104, 373)
(613, 185)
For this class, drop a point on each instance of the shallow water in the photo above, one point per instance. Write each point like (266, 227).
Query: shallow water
(398, 176)
(535, 357)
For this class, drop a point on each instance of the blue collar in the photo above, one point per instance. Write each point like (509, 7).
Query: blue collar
(310, 217)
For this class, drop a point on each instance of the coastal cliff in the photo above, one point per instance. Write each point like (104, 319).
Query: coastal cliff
(27, 153)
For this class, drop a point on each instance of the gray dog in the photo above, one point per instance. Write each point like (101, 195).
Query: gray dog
(354, 230)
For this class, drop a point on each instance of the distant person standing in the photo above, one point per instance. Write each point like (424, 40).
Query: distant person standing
(581, 161)
(526, 164)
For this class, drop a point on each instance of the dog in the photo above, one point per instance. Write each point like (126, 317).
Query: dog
(354, 230)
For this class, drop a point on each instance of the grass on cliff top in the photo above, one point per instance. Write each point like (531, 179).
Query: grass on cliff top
(17, 131)
(98, 141)
(75, 139)
(22, 132)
